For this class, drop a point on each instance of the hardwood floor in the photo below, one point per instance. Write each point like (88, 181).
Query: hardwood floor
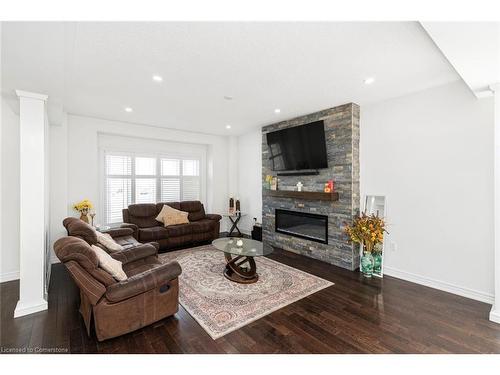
(355, 315)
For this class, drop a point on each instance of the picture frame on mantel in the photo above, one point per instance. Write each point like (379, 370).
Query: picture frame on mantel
(377, 204)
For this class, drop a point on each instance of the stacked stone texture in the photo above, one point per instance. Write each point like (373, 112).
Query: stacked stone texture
(342, 143)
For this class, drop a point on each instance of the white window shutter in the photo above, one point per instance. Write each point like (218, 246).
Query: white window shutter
(145, 190)
(170, 189)
(190, 188)
(118, 197)
(146, 179)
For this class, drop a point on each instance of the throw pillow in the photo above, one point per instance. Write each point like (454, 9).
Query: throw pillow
(171, 216)
(110, 265)
(108, 242)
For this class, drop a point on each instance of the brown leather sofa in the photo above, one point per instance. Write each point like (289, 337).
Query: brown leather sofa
(150, 293)
(201, 228)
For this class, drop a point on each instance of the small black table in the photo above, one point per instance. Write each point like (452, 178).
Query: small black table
(235, 218)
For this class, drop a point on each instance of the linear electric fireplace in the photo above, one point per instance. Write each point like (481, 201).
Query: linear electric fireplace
(304, 225)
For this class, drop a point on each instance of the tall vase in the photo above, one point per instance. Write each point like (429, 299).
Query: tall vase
(377, 263)
(83, 216)
(367, 264)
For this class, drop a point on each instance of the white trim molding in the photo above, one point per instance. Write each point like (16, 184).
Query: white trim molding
(440, 285)
(495, 312)
(495, 316)
(9, 276)
(31, 95)
(23, 309)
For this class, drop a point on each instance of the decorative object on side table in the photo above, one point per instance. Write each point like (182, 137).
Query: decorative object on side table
(299, 186)
(368, 231)
(83, 207)
(238, 207)
(231, 205)
(92, 215)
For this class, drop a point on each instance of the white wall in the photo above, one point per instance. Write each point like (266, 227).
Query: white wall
(58, 193)
(83, 174)
(9, 241)
(250, 177)
(431, 154)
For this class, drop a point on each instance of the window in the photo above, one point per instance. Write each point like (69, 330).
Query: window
(147, 179)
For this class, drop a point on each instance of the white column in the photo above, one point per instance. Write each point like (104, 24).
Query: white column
(32, 147)
(495, 311)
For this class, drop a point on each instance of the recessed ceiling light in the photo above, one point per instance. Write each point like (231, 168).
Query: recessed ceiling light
(228, 126)
(228, 97)
(277, 110)
(369, 80)
(128, 109)
(157, 78)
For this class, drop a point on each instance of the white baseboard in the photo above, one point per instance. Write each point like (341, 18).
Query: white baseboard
(23, 309)
(441, 285)
(9, 276)
(495, 315)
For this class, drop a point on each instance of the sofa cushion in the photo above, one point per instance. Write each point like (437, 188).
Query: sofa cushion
(143, 215)
(143, 210)
(195, 209)
(175, 205)
(202, 226)
(179, 230)
(171, 216)
(110, 265)
(152, 234)
(108, 242)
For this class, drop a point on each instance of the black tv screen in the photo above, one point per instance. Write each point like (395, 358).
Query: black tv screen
(298, 148)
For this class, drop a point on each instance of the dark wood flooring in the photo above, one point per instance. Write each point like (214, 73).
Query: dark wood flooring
(355, 315)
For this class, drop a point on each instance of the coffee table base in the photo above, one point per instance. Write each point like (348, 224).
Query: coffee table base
(235, 272)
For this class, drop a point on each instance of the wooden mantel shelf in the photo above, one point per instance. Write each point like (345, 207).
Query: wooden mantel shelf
(315, 195)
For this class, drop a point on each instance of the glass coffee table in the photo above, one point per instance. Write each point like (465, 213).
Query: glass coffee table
(239, 254)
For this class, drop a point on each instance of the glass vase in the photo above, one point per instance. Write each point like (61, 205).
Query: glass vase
(377, 263)
(367, 264)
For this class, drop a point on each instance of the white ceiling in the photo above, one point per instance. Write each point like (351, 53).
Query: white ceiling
(97, 69)
(473, 49)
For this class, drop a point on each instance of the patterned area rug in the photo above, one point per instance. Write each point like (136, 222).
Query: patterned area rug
(221, 306)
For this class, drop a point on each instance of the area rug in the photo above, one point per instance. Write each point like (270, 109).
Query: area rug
(221, 306)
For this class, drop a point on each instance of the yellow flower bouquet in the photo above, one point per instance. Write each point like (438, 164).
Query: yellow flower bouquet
(367, 230)
(84, 207)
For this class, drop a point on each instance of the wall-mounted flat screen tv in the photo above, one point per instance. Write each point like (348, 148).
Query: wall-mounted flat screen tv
(298, 148)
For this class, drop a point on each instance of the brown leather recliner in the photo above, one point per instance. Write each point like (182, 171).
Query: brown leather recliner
(123, 236)
(150, 293)
(201, 228)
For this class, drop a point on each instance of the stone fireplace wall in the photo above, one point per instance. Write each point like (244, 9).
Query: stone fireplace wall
(342, 142)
